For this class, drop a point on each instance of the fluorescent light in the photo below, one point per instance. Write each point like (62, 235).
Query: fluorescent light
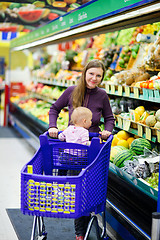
(101, 23)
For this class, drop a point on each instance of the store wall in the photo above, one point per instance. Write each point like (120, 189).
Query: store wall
(21, 64)
(4, 52)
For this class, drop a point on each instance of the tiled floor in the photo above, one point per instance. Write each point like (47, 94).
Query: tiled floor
(14, 153)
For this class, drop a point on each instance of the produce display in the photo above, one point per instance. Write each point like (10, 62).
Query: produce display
(129, 63)
(40, 110)
(136, 158)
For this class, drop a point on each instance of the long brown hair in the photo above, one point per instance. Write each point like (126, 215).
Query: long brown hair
(79, 91)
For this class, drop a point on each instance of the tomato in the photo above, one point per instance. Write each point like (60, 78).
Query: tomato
(145, 84)
(141, 84)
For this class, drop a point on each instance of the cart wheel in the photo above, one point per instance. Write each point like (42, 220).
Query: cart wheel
(43, 237)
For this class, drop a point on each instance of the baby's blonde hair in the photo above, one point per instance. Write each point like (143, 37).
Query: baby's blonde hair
(79, 114)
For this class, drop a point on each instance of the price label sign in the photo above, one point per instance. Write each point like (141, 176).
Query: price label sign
(120, 90)
(120, 122)
(113, 89)
(156, 94)
(107, 88)
(150, 92)
(158, 135)
(136, 92)
(140, 130)
(126, 124)
(148, 133)
(127, 91)
(145, 93)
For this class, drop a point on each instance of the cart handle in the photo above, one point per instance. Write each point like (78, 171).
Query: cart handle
(91, 134)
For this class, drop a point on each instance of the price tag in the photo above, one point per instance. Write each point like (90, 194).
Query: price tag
(145, 93)
(136, 92)
(113, 89)
(127, 91)
(126, 124)
(120, 122)
(156, 93)
(150, 91)
(158, 135)
(107, 88)
(148, 133)
(140, 130)
(120, 90)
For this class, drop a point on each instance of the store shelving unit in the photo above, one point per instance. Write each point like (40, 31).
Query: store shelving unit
(129, 210)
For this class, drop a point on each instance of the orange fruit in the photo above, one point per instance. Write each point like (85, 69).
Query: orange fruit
(70, 1)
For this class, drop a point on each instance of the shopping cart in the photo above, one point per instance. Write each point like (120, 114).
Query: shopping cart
(81, 191)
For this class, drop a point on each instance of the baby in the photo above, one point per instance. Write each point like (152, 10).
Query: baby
(77, 133)
(81, 119)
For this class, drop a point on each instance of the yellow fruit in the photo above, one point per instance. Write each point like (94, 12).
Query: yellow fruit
(123, 143)
(130, 140)
(140, 110)
(59, 4)
(115, 140)
(123, 134)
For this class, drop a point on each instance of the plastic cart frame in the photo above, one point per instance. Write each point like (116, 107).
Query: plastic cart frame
(81, 191)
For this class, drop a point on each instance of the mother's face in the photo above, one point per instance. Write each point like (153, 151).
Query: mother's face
(93, 77)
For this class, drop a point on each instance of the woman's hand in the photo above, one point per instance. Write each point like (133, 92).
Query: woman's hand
(105, 134)
(53, 132)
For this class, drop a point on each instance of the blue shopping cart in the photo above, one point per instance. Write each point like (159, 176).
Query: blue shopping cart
(82, 190)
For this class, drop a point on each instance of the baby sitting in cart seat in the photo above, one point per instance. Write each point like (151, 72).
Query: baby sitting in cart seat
(76, 133)
(81, 119)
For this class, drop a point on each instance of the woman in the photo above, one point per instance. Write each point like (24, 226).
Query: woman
(87, 94)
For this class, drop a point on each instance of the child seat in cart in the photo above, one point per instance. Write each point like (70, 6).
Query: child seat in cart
(80, 191)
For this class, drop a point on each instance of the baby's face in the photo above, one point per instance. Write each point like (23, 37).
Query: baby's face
(88, 122)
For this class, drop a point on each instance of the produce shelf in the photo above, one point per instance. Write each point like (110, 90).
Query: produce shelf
(138, 129)
(151, 95)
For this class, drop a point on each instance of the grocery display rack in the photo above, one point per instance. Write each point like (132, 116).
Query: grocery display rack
(129, 209)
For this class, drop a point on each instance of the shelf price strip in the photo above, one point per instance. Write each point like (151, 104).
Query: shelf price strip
(136, 92)
(140, 130)
(148, 133)
(113, 89)
(126, 124)
(120, 124)
(107, 88)
(158, 135)
(127, 91)
(119, 90)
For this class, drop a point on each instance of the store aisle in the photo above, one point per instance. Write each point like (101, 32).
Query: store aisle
(14, 153)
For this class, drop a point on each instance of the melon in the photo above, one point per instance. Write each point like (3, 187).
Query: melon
(123, 156)
(114, 151)
(31, 16)
(139, 144)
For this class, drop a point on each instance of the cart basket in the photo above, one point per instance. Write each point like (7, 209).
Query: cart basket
(81, 190)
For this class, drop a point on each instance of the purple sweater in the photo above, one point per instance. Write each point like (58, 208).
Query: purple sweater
(95, 99)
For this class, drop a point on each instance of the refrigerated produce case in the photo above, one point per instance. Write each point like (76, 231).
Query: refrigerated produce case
(129, 205)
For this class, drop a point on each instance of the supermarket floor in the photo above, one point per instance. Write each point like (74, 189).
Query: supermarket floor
(14, 153)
